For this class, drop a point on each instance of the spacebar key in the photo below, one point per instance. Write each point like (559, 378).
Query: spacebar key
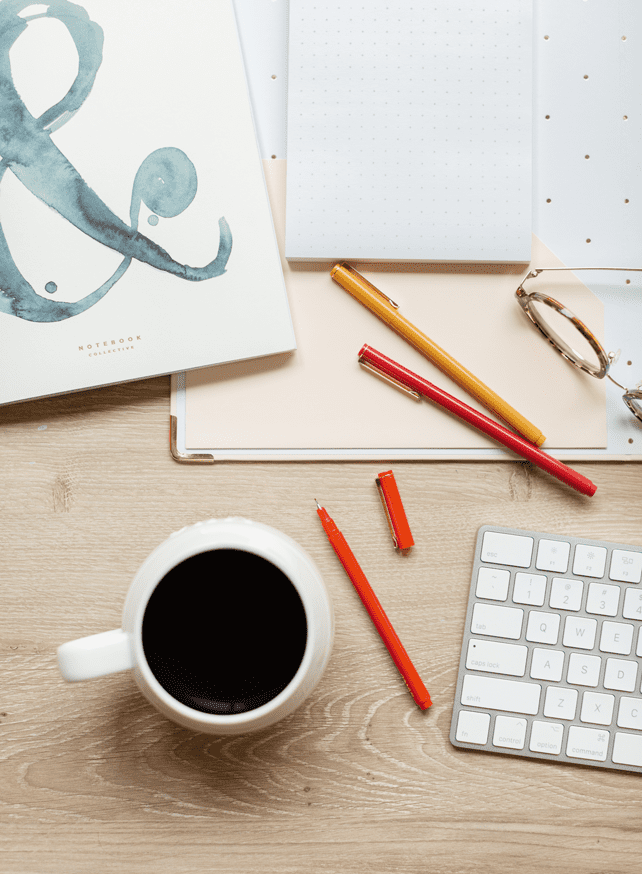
(496, 694)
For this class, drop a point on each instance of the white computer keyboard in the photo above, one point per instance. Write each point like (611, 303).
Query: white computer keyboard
(550, 663)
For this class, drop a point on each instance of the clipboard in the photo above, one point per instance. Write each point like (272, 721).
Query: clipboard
(569, 215)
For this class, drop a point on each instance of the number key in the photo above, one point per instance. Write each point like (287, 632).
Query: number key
(566, 594)
(632, 604)
(602, 599)
(529, 589)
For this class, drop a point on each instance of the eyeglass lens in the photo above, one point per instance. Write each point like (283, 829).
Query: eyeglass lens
(634, 404)
(560, 327)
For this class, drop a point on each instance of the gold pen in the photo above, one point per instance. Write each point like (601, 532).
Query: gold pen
(387, 310)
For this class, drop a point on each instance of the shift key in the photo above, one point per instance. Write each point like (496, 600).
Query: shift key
(493, 693)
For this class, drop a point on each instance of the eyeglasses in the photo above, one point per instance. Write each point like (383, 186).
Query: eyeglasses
(572, 339)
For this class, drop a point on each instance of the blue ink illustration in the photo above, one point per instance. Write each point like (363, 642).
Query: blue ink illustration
(166, 182)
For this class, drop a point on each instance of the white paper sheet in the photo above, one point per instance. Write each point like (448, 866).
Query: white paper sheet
(409, 130)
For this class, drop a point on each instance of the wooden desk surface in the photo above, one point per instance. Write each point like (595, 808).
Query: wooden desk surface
(92, 778)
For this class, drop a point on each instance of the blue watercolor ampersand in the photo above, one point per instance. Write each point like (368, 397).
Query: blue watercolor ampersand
(166, 181)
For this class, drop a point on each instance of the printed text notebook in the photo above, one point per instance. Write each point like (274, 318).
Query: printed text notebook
(135, 231)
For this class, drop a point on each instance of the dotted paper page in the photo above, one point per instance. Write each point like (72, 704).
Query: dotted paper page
(409, 130)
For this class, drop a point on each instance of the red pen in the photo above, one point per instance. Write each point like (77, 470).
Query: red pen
(412, 383)
(376, 612)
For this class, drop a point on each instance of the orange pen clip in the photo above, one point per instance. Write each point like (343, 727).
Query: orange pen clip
(395, 513)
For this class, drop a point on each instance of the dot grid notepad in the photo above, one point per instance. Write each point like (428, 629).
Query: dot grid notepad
(409, 130)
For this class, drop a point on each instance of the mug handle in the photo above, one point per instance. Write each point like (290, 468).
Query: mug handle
(95, 656)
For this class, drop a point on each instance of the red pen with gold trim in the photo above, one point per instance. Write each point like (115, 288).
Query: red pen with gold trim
(376, 612)
(415, 385)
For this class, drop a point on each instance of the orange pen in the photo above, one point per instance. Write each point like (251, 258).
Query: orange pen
(388, 311)
(376, 612)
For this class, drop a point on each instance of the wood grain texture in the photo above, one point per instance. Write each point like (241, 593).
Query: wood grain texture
(92, 778)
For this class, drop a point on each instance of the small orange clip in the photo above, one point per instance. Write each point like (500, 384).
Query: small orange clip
(395, 513)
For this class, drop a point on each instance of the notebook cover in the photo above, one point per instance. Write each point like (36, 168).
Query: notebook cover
(136, 237)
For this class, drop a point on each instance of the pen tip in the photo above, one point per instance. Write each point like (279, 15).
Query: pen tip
(317, 503)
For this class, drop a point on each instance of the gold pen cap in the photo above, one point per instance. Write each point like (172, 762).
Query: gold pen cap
(353, 282)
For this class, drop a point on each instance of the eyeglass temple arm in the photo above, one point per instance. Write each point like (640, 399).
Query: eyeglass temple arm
(537, 270)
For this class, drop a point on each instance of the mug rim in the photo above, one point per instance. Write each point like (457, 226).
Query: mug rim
(153, 571)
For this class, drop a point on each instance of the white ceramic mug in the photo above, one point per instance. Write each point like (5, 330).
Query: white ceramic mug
(122, 649)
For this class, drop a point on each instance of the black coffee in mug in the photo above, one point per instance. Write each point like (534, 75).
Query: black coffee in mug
(224, 631)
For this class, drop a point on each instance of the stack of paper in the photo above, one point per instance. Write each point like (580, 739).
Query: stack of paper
(409, 130)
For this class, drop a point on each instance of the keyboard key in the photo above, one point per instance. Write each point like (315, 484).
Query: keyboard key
(603, 599)
(472, 728)
(583, 670)
(492, 584)
(597, 708)
(638, 651)
(543, 627)
(497, 621)
(529, 589)
(589, 561)
(510, 732)
(632, 608)
(552, 555)
(546, 737)
(547, 664)
(630, 713)
(560, 703)
(627, 749)
(496, 658)
(511, 549)
(566, 594)
(626, 566)
(495, 694)
(616, 637)
(580, 632)
(620, 675)
(587, 743)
